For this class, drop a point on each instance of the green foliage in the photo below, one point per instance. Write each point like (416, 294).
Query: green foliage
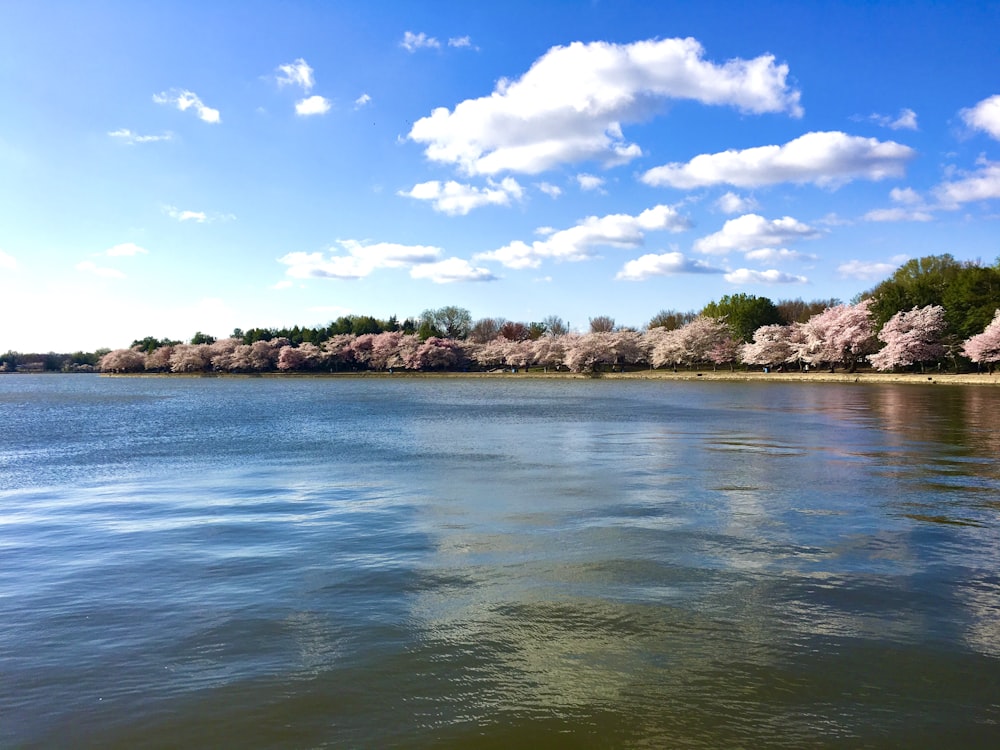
(151, 343)
(969, 293)
(449, 322)
(744, 313)
(202, 338)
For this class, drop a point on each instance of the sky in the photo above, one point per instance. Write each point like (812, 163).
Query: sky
(174, 167)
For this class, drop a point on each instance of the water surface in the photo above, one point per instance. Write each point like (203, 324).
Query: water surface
(452, 563)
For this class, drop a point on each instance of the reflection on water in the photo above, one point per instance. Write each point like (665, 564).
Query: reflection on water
(346, 563)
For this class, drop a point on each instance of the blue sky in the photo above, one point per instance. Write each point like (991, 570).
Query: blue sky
(181, 166)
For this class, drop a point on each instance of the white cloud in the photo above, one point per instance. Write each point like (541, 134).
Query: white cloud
(985, 116)
(132, 138)
(451, 270)
(731, 203)
(897, 214)
(412, 42)
(749, 276)
(569, 107)
(983, 184)
(866, 270)
(7, 262)
(175, 213)
(284, 284)
(905, 120)
(907, 196)
(553, 191)
(313, 105)
(751, 232)
(580, 242)
(185, 100)
(460, 41)
(663, 264)
(125, 249)
(589, 182)
(362, 101)
(776, 255)
(825, 159)
(88, 266)
(456, 199)
(297, 73)
(360, 261)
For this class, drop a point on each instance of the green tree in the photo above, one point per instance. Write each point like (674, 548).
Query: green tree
(744, 313)
(202, 338)
(449, 322)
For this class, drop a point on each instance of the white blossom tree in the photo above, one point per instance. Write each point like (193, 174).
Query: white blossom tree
(911, 337)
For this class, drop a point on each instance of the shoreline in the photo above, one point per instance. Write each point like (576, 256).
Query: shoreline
(817, 376)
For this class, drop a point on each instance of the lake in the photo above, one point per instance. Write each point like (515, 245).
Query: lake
(419, 562)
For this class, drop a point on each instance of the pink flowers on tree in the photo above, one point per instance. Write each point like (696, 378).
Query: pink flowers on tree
(984, 348)
(911, 337)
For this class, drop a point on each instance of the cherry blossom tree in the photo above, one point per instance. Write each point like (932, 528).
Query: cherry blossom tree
(493, 353)
(984, 348)
(190, 358)
(338, 351)
(305, 356)
(771, 346)
(588, 352)
(434, 354)
(158, 360)
(842, 335)
(550, 351)
(666, 347)
(911, 337)
(122, 360)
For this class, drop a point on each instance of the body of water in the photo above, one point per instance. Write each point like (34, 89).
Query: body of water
(300, 563)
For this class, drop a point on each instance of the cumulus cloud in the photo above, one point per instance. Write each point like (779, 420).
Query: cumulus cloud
(749, 276)
(982, 184)
(362, 101)
(570, 106)
(131, 138)
(451, 270)
(313, 105)
(456, 199)
(359, 261)
(776, 255)
(461, 41)
(297, 73)
(907, 196)
(88, 266)
(185, 100)
(731, 203)
(7, 262)
(663, 264)
(866, 270)
(412, 42)
(589, 182)
(905, 120)
(985, 116)
(751, 232)
(827, 159)
(553, 191)
(125, 249)
(581, 242)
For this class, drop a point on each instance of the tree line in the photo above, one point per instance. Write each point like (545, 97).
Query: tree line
(931, 310)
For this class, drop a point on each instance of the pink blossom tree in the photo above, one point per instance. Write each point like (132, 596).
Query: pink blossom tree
(158, 360)
(588, 352)
(911, 337)
(550, 351)
(841, 335)
(338, 351)
(771, 346)
(984, 348)
(305, 356)
(434, 354)
(190, 358)
(122, 360)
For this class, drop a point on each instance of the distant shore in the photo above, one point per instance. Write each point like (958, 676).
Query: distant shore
(742, 376)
